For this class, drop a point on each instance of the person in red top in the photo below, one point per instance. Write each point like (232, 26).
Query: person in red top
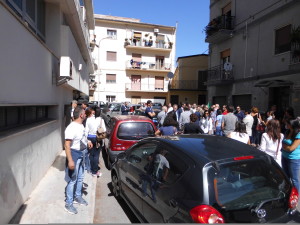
(225, 110)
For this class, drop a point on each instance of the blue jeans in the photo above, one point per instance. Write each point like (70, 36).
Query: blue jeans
(219, 131)
(94, 156)
(75, 184)
(292, 169)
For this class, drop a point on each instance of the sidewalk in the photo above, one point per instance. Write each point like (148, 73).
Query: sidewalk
(46, 202)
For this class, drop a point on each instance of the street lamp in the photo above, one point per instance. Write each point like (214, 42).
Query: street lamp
(99, 69)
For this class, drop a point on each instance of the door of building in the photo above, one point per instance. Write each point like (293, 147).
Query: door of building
(174, 99)
(221, 100)
(279, 96)
(201, 99)
(135, 82)
(244, 101)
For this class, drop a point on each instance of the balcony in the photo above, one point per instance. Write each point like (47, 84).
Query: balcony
(148, 66)
(219, 29)
(187, 85)
(148, 46)
(218, 76)
(138, 87)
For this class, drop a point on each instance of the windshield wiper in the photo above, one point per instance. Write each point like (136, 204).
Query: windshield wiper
(262, 203)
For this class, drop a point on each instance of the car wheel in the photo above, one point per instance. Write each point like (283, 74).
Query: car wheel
(116, 186)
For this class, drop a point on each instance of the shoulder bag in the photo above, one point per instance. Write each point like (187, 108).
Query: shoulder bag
(101, 134)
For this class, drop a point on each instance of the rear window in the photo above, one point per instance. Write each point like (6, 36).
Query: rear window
(135, 130)
(247, 184)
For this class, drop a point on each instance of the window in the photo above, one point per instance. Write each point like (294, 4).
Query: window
(14, 116)
(283, 39)
(135, 130)
(110, 78)
(225, 56)
(111, 56)
(159, 83)
(112, 34)
(110, 98)
(32, 12)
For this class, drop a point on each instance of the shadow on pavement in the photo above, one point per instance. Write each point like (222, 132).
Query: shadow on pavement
(59, 163)
(17, 217)
(124, 206)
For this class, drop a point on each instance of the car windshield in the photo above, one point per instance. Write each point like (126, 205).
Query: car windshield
(135, 130)
(248, 184)
(156, 106)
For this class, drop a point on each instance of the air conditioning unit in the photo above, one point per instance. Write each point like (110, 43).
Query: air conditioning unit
(66, 67)
(156, 30)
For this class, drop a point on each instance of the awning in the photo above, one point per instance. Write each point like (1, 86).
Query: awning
(273, 83)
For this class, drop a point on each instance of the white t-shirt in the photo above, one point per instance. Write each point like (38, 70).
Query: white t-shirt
(268, 146)
(239, 137)
(76, 133)
(248, 121)
(92, 125)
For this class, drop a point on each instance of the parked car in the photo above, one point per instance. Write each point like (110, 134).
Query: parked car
(203, 179)
(124, 131)
(114, 108)
(101, 104)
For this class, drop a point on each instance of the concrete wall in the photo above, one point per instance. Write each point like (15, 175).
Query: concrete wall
(28, 70)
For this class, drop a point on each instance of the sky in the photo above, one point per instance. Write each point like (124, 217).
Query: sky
(191, 17)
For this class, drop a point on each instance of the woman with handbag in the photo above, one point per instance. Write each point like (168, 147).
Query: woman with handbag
(92, 125)
(254, 139)
(291, 153)
(271, 141)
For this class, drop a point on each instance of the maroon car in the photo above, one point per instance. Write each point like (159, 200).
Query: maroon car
(124, 131)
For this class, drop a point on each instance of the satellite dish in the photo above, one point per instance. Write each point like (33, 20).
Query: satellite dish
(227, 66)
(170, 75)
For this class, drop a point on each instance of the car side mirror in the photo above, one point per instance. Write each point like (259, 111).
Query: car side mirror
(121, 155)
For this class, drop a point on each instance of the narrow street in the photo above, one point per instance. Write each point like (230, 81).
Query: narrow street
(107, 208)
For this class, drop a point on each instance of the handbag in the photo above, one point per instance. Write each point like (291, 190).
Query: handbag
(100, 134)
(260, 126)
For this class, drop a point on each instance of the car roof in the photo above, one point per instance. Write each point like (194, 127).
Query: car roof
(209, 148)
(132, 118)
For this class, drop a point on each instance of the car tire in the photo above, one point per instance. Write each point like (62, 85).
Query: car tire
(116, 186)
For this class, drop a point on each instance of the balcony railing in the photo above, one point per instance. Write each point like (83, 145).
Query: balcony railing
(295, 53)
(144, 87)
(149, 44)
(187, 85)
(222, 24)
(217, 74)
(141, 65)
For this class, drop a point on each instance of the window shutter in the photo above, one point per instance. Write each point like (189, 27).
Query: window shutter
(159, 83)
(225, 54)
(111, 56)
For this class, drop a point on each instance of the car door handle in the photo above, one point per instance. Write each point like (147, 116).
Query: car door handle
(173, 203)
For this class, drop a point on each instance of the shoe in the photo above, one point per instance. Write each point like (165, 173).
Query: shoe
(85, 185)
(79, 200)
(71, 209)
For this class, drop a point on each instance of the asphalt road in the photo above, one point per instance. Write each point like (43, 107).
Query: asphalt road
(107, 208)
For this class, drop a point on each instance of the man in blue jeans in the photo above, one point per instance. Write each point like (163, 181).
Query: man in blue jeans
(76, 144)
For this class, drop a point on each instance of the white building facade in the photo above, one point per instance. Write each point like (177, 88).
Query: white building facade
(133, 60)
(45, 62)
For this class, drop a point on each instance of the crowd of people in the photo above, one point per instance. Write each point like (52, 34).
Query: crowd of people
(82, 149)
(273, 132)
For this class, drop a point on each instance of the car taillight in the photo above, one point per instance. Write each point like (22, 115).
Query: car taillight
(206, 214)
(131, 109)
(116, 148)
(243, 157)
(294, 196)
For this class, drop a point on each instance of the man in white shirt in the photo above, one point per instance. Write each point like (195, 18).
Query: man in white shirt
(161, 115)
(248, 121)
(76, 144)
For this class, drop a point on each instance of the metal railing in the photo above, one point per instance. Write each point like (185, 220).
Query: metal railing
(144, 87)
(295, 53)
(218, 73)
(131, 64)
(152, 44)
(221, 22)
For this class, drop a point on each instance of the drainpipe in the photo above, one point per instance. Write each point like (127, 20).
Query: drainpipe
(246, 49)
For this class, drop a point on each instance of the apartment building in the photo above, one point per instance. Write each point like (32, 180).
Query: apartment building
(254, 53)
(45, 62)
(133, 59)
(189, 81)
